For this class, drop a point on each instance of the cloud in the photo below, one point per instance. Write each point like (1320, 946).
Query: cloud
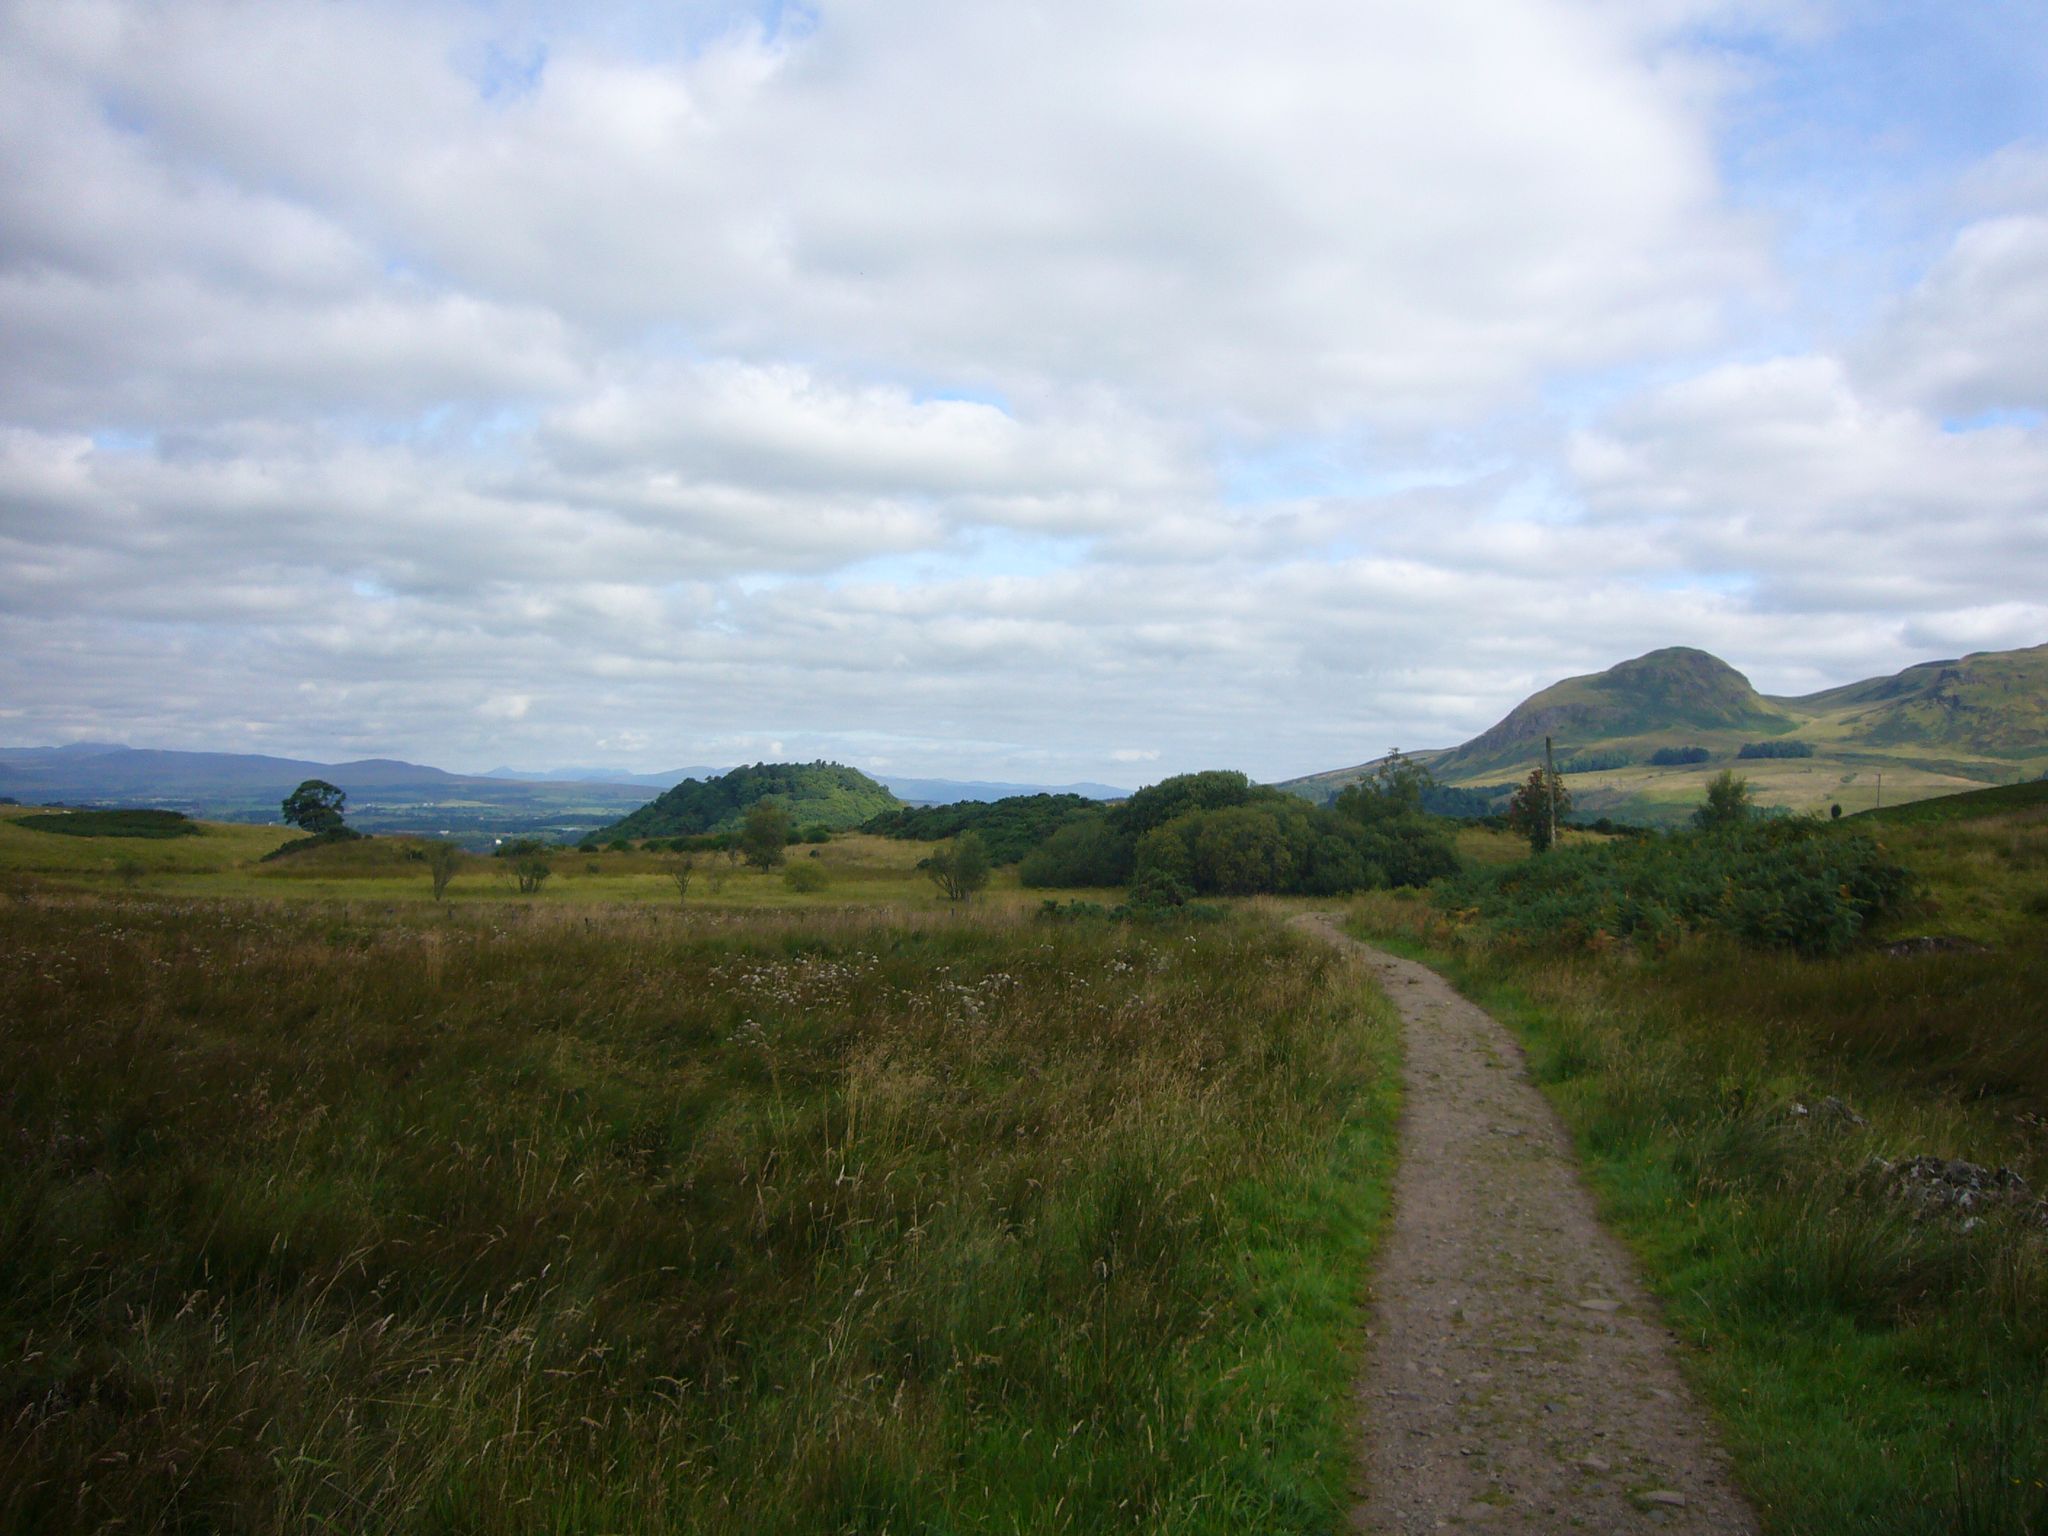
(1410, 212)
(972, 387)
(1823, 500)
(1967, 338)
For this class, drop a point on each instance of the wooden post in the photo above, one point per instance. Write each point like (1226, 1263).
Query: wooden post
(1880, 789)
(1550, 789)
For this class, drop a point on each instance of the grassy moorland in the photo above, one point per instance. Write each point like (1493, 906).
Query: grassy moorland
(560, 1216)
(1878, 1370)
(226, 860)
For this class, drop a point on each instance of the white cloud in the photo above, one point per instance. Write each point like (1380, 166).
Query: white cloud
(1969, 337)
(1410, 211)
(378, 381)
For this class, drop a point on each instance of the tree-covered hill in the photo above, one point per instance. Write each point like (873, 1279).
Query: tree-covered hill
(815, 794)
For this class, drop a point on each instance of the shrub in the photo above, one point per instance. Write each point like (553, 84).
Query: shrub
(765, 834)
(1083, 852)
(959, 871)
(1727, 804)
(1537, 807)
(1011, 827)
(1678, 757)
(441, 859)
(1793, 884)
(805, 878)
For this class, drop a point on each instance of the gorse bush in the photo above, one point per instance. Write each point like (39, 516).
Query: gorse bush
(1790, 884)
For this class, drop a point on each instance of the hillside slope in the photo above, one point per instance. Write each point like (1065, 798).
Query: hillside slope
(1989, 704)
(1677, 689)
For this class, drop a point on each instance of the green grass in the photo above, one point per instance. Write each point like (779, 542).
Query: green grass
(226, 860)
(565, 1217)
(1975, 805)
(1875, 1373)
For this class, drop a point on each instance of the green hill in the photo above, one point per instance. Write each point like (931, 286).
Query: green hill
(1677, 690)
(1937, 728)
(1990, 704)
(816, 794)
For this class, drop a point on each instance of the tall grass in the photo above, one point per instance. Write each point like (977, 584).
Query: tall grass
(574, 1220)
(1878, 1370)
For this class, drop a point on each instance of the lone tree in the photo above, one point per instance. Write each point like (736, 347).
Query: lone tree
(1402, 781)
(961, 870)
(1727, 804)
(679, 872)
(315, 807)
(1536, 805)
(765, 834)
(441, 861)
(528, 858)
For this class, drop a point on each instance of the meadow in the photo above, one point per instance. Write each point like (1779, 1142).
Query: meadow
(226, 860)
(1880, 1367)
(568, 1214)
(851, 1209)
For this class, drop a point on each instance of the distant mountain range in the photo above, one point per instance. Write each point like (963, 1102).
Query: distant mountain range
(386, 795)
(1935, 728)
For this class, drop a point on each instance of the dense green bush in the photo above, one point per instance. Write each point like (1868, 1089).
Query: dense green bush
(1279, 844)
(1792, 884)
(120, 823)
(1678, 757)
(1218, 834)
(1010, 827)
(1088, 851)
(1465, 803)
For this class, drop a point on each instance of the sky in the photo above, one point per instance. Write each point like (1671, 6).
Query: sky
(1087, 389)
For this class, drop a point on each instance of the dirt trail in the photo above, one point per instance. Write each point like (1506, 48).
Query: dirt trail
(1517, 1376)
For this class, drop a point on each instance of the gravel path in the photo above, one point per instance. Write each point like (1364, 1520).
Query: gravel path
(1518, 1376)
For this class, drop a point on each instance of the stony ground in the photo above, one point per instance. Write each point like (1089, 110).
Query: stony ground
(1517, 1376)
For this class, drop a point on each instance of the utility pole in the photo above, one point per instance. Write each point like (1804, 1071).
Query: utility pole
(1880, 789)
(1550, 789)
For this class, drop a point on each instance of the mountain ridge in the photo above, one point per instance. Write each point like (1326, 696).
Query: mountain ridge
(1932, 728)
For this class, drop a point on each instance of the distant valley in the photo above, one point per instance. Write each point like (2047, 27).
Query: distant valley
(387, 795)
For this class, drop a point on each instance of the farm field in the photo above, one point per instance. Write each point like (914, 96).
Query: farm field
(1743, 1116)
(594, 1212)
